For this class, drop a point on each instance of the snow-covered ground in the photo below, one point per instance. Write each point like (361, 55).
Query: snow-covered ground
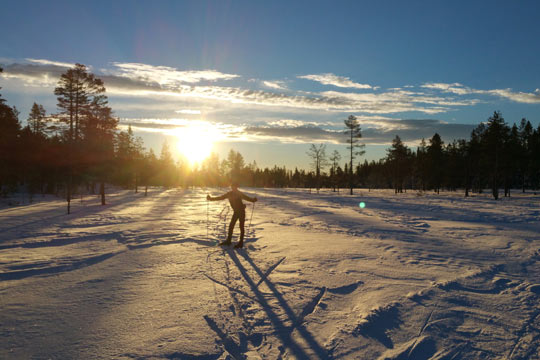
(409, 276)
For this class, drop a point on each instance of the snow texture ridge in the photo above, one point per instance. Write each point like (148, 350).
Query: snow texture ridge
(435, 276)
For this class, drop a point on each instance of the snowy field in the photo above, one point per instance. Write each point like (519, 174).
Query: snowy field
(407, 277)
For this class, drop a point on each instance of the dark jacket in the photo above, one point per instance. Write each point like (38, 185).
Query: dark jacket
(235, 199)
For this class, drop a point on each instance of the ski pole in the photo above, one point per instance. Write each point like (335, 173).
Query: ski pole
(251, 217)
(207, 219)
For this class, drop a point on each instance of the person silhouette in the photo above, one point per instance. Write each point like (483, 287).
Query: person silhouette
(235, 197)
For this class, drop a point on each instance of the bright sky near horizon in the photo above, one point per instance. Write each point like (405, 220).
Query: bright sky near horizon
(271, 77)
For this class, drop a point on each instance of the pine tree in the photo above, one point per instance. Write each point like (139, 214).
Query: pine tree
(234, 164)
(9, 132)
(98, 128)
(494, 146)
(353, 133)
(36, 119)
(435, 153)
(398, 158)
(511, 156)
(422, 165)
(75, 92)
(525, 135)
(334, 159)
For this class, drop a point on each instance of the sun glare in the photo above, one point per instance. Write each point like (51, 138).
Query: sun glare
(195, 142)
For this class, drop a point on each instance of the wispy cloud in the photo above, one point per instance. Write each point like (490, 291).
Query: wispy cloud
(173, 126)
(294, 123)
(158, 85)
(276, 84)
(50, 62)
(335, 80)
(459, 89)
(521, 97)
(411, 131)
(165, 75)
(188, 112)
(166, 85)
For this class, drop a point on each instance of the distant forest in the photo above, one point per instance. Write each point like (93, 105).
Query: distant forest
(80, 149)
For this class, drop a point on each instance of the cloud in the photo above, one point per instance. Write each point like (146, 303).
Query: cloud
(410, 130)
(168, 86)
(50, 62)
(378, 131)
(294, 123)
(276, 84)
(455, 88)
(413, 130)
(33, 75)
(188, 111)
(397, 101)
(172, 126)
(164, 75)
(521, 97)
(459, 89)
(165, 85)
(335, 80)
(297, 134)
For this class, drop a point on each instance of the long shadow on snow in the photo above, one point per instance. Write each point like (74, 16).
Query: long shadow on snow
(21, 274)
(283, 332)
(116, 235)
(61, 241)
(125, 201)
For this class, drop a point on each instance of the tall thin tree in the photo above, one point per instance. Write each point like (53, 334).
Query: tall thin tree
(334, 159)
(354, 133)
(317, 153)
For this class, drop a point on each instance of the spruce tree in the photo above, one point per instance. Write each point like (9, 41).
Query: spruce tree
(36, 119)
(494, 146)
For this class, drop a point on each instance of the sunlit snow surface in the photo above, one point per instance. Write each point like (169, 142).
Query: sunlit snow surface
(408, 276)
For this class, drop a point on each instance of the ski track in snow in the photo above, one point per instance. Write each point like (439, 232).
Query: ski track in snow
(411, 276)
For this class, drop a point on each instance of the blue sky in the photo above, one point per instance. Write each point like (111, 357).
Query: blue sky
(273, 77)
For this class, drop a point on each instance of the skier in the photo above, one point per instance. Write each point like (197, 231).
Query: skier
(235, 199)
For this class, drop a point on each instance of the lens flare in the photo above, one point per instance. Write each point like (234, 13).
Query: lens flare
(362, 205)
(195, 141)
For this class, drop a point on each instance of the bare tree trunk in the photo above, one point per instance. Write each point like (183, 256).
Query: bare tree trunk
(102, 192)
(495, 188)
(68, 194)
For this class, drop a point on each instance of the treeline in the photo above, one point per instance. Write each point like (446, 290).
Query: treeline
(496, 156)
(81, 148)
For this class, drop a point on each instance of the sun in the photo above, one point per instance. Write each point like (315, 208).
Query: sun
(195, 142)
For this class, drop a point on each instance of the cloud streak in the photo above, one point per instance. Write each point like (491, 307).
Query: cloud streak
(276, 84)
(459, 89)
(335, 80)
(411, 131)
(164, 75)
(50, 62)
